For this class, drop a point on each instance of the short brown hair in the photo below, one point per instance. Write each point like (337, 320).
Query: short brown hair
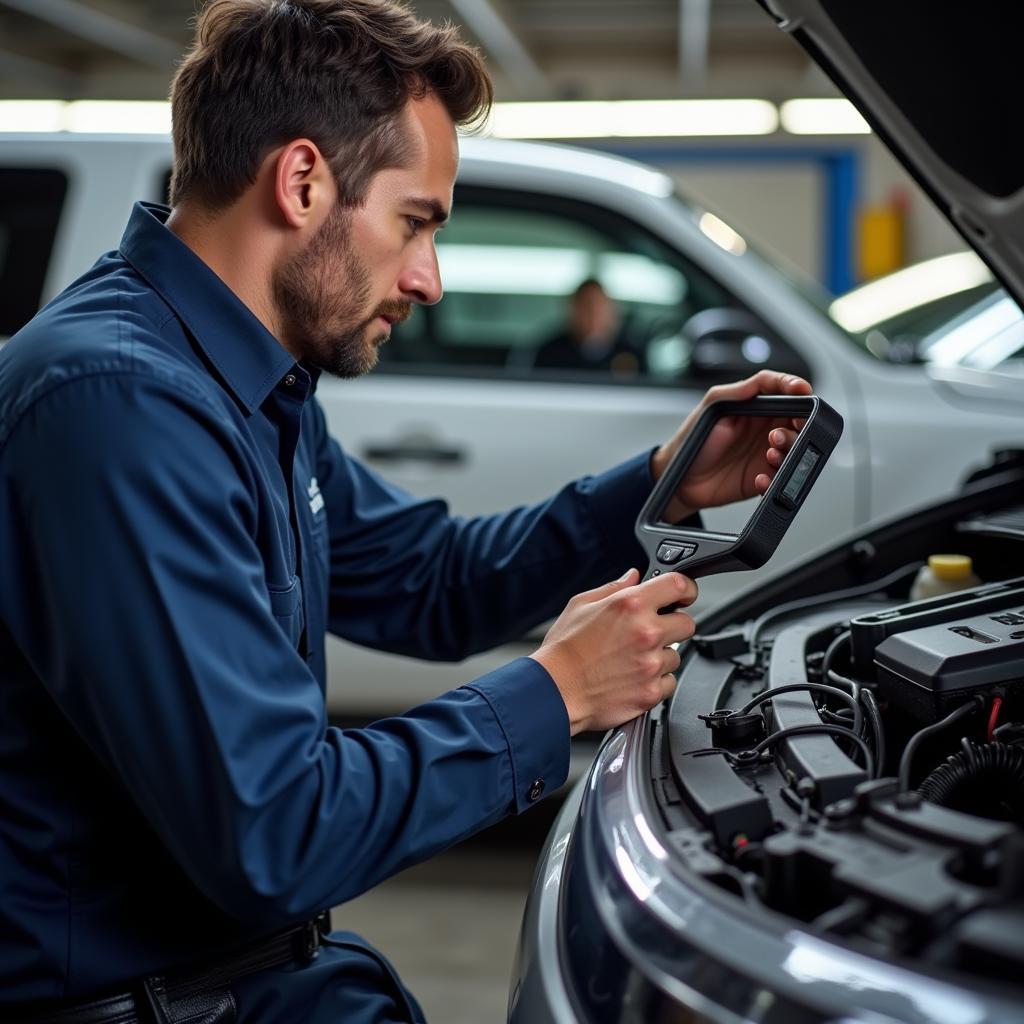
(338, 72)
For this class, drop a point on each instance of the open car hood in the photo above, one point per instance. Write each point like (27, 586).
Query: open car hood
(940, 86)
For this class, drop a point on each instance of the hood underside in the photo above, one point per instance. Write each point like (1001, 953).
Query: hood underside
(941, 86)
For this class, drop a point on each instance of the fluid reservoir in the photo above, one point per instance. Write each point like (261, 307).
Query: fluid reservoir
(943, 574)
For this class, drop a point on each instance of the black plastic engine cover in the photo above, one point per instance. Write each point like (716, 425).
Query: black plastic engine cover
(931, 670)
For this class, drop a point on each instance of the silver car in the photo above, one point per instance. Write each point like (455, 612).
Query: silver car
(826, 822)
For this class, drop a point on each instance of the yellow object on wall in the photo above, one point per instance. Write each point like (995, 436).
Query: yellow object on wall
(881, 238)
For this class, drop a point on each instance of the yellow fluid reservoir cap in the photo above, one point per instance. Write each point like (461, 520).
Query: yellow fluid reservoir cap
(950, 567)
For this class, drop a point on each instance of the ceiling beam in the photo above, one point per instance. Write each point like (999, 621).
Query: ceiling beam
(502, 43)
(694, 37)
(102, 29)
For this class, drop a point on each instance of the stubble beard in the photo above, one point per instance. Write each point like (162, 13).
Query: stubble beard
(322, 312)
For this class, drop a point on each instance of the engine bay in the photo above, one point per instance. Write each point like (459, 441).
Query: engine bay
(853, 760)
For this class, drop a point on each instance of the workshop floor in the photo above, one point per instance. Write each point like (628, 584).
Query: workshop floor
(450, 926)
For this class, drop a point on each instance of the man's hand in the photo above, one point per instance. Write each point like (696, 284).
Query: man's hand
(608, 651)
(740, 455)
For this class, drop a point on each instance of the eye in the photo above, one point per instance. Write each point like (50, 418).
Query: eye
(415, 223)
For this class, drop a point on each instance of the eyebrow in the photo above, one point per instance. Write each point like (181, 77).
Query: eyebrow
(438, 214)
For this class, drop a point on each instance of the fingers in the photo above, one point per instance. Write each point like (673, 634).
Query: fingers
(667, 589)
(781, 440)
(628, 579)
(786, 384)
(668, 686)
(656, 632)
(671, 661)
(764, 382)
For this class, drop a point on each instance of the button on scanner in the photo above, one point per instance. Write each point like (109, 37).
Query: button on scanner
(670, 552)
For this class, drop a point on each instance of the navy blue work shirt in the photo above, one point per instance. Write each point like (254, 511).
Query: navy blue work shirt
(177, 533)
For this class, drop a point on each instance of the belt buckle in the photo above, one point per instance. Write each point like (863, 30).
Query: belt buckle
(309, 941)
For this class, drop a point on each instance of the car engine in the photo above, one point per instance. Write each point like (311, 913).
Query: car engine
(841, 756)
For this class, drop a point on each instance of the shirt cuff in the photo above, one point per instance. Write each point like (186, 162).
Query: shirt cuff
(535, 723)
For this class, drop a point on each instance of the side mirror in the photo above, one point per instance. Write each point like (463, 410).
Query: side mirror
(726, 343)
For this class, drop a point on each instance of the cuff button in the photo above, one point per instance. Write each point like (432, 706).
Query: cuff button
(536, 790)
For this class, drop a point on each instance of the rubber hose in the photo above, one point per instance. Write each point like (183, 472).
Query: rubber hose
(987, 775)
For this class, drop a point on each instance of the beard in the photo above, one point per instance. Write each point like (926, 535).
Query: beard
(323, 313)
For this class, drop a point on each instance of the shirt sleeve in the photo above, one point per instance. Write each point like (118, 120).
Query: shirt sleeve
(409, 577)
(147, 617)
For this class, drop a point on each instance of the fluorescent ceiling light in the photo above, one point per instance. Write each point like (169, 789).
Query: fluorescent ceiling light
(119, 117)
(102, 117)
(632, 119)
(822, 117)
(906, 289)
(31, 115)
(560, 120)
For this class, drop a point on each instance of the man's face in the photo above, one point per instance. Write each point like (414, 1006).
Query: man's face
(594, 314)
(365, 267)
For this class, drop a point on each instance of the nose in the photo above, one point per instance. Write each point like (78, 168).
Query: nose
(420, 280)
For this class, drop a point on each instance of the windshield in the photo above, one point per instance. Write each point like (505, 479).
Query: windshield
(892, 316)
(889, 317)
(988, 336)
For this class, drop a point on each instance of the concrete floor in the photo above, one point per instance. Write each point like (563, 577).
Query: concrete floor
(450, 926)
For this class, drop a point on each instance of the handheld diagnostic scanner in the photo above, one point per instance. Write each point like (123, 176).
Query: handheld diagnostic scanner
(671, 547)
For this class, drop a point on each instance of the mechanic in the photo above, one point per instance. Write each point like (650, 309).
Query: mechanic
(178, 531)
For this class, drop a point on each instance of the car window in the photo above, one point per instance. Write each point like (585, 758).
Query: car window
(550, 289)
(31, 200)
(989, 336)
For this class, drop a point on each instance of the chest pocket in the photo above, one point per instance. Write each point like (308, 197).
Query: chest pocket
(286, 605)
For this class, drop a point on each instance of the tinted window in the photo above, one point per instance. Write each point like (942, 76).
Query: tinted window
(512, 266)
(30, 206)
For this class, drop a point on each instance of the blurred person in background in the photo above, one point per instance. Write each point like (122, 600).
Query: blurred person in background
(178, 532)
(593, 337)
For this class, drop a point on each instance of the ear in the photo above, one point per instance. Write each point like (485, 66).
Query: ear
(304, 187)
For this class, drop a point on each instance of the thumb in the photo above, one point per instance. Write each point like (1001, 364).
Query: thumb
(628, 579)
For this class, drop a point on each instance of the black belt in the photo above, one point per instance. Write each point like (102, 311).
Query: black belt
(199, 993)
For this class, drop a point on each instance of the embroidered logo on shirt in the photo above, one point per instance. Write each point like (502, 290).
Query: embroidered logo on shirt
(316, 499)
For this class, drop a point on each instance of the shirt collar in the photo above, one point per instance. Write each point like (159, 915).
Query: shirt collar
(248, 358)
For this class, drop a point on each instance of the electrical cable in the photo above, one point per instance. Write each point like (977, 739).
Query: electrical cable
(874, 716)
(808, 730)
(748, 758)
(829, 598)
(851, 684)
(1009, 732)
(814, 688)
(915, 741)
(844, 717)
(993, 718)
(793, 800)
(830, 651)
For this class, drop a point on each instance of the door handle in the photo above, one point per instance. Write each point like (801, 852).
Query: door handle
(432, 452)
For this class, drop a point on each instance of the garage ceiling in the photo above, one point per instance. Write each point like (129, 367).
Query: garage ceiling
(537, 49)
